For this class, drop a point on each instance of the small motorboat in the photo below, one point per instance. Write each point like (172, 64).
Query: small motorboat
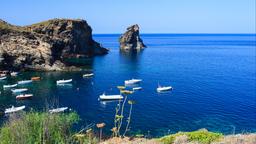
(2, 74)
(137, 88)
(14, 109)
(35, 78)
(3, 78)
(14, 73)
(58, 110)
(19, 90)
(121, 87)
(88, 75)
(163, 88)
(9, 86)
(132, 81)
(110, 97)
(24, 96)
(64, 81)
(126, 92)
(24, 82)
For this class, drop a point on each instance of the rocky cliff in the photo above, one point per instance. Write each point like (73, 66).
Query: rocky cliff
(47, 45)
(131, 40)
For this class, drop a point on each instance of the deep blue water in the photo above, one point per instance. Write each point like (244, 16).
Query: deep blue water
(213, 76)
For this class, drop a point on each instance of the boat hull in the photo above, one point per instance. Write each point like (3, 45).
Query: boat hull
(162, 89)
(9, 86)
(58, 110)
(64, 81)
(111, 97)
(14, 109)
(19, 90)
(24, 82)
(23, 97)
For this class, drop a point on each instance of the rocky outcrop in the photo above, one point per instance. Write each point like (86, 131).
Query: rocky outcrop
(48, 45)
(131, 40)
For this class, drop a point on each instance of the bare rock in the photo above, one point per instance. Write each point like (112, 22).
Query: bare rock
(131, 40)
(47, 45)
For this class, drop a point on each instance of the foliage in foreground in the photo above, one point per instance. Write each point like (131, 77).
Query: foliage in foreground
(35, 127)
(201, 136)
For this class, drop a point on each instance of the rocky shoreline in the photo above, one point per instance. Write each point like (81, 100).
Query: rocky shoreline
(47, 46)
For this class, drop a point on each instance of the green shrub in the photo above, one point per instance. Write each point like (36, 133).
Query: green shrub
(35, 127)
(201, 136)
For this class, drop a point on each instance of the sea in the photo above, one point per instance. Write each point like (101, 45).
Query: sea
(213, 78)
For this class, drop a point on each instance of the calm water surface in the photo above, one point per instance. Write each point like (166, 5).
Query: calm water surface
(213, 77)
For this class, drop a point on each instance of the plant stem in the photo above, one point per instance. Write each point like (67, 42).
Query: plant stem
(129, 120)
(122, 111)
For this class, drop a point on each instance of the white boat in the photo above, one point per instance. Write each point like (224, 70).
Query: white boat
(110, 97)
(64, 81)
(14, 109)
(10, 86)
(137, 88)
(132, 81)
(24, 96)
(163, 88)
(88, 75)
(58, 110)
(19, 90)
(2, 78)
(24, 82)
(14, 73)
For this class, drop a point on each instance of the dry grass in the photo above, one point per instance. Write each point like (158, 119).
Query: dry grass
(184, 139)
(239, 139)
(126, 140)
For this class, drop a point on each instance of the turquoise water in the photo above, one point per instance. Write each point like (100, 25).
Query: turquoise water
(213, 77)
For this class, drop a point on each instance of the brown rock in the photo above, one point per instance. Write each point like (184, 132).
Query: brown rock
(47, 45)
(131, 40)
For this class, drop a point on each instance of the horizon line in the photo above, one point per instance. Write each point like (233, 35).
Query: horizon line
(174, 33)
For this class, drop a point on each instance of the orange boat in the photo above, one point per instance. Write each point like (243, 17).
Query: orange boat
(35, 78)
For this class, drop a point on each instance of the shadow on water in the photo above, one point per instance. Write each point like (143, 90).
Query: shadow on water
(131, 56)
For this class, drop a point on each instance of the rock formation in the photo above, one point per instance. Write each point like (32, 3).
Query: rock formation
(47, 45)
(131, 40)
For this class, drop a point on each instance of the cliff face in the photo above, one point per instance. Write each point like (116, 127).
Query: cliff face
(131, 40)
(47, 45)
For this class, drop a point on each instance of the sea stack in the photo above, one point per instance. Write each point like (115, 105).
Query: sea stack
(47, 45)
(130, 40)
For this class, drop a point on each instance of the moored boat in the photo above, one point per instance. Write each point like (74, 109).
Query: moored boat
(163, 88)
(3, 78)
(121, 87)
(88, 75)
(64, 81)
(24, 82)
(58, 110)
(126, 92)
(35, 78)
(137, 88)
(14, 73)
(110, 97)
(24, 96)
(14, 109)
(132, 81)
(9, 86)
(19, 90)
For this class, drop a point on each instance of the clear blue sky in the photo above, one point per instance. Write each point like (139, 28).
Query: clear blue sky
(153, 16)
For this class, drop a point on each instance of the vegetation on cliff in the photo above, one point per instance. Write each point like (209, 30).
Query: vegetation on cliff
(43, 127)
(36, 127)
(201, 136)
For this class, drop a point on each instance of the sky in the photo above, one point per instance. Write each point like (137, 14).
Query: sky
(153, 16)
